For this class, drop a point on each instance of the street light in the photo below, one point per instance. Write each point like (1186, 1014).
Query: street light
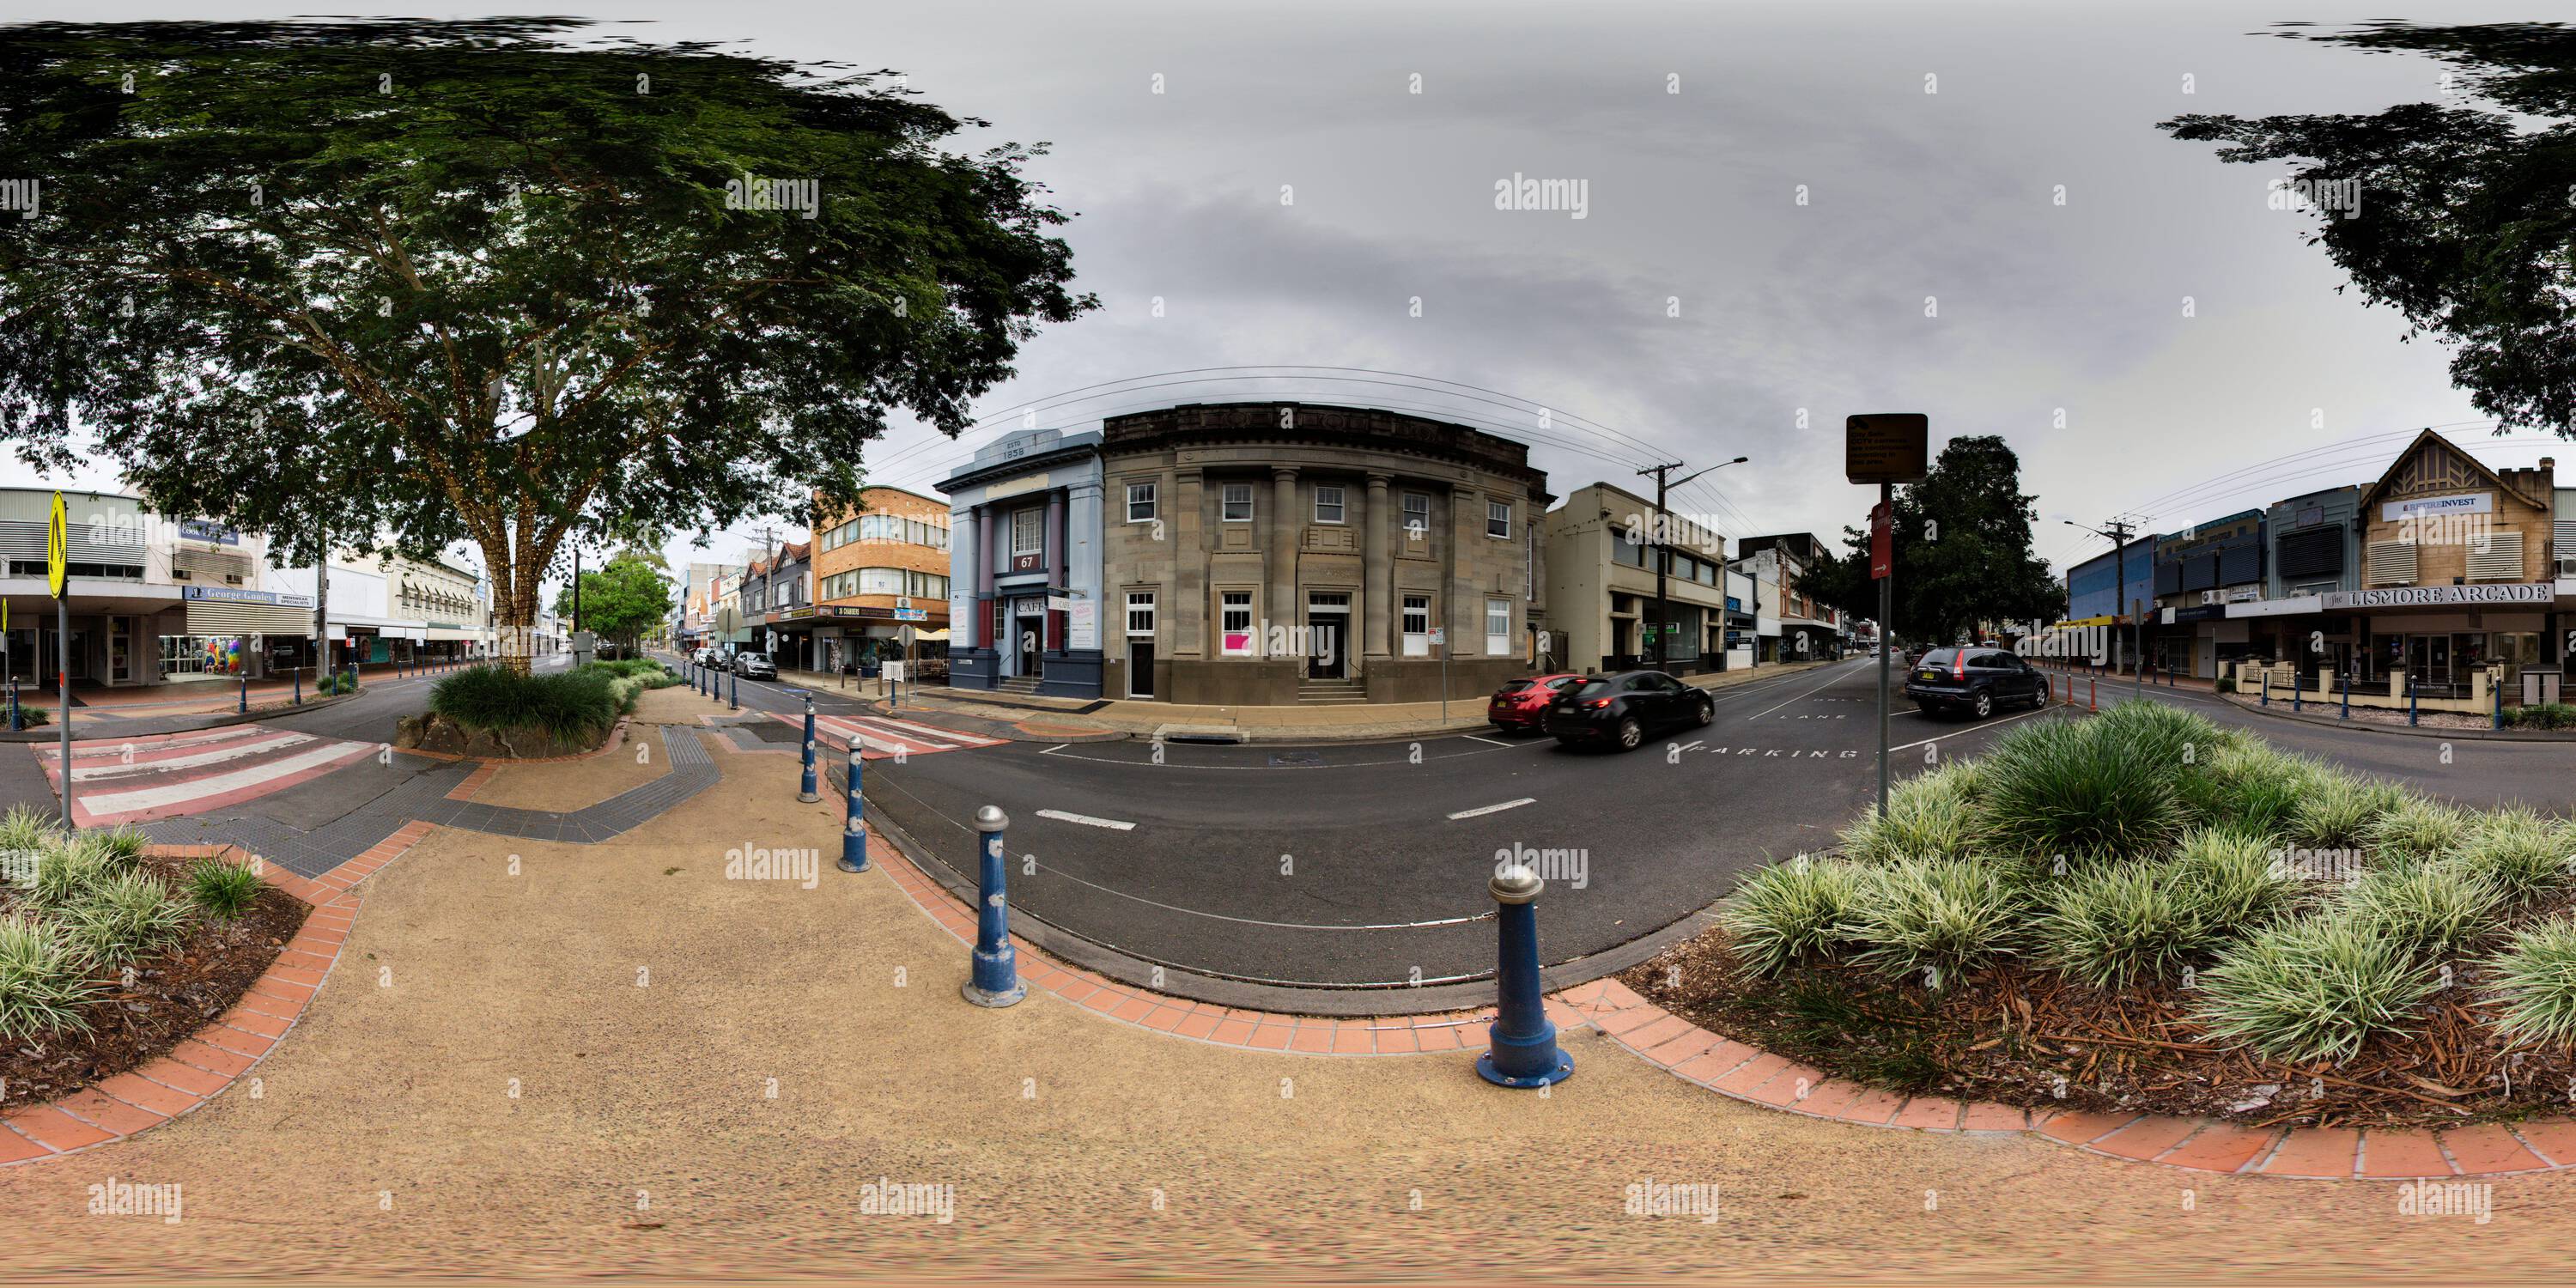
(1664, 563)
(2119, 534)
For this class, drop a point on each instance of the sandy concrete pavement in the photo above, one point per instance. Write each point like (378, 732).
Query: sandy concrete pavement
(555, 1060)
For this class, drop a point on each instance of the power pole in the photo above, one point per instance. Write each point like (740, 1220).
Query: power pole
(1664, 483)
(2120, 531)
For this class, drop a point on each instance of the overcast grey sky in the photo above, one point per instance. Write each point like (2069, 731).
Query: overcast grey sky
(1698, 305)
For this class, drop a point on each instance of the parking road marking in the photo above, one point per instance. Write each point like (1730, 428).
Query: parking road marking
(1086, 820)
(1496, 809)
(1495, 741)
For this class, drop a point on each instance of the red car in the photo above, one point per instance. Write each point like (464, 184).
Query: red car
(1521, 704)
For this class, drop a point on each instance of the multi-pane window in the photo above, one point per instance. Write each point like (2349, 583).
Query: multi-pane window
(1417, 513)
(1498, 518)
(1140, 612)
(1238, 503)
(1417, 625)
(1498, 627)
(880, 581)
(1328, 505)
(1234, 622)
(1028, 531)
(1140, 502)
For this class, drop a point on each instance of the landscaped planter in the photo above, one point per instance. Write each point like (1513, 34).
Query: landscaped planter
(447, 737)
(2141, 913)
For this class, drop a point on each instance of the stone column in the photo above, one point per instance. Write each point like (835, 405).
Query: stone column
(1282, 563)
(984, 576)
(1082, 553)
(1464, 612)
(963, 608)
(1187, 606)
(1377, 567)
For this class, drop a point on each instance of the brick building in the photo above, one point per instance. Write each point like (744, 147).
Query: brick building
(887, 557)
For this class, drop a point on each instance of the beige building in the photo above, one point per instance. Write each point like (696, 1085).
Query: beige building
(2458, 572)
(1601, 548)
(1275, 553)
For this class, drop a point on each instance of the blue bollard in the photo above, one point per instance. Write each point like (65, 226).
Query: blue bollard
(1521, 1048)
(16, 721)
(242, 707)
(2495, 693)
(2298, 685)
(805, 792)
(996, 981)
(2410, 701)
(736, 689)
(2346, 678)
(299, 686)
(854, 838)
(2267, 687)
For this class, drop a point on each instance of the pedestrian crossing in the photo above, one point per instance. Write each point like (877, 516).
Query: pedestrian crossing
(884, 737)
(136, 780)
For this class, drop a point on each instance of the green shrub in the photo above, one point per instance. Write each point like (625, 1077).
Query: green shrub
(2125, 924)
(44, 979)
(1930, 816)
(2336, 810)
(2524, 854)
(2428, 908)
(1936, 918)
(66, 873)
(2249, 786)
(124, 844)
(128, 916)
(223, 887)
(32, 717)
(2227, 684)
(653, 674)
(27, 834)
(2535, 980)
(2312, 988)
(2416, 829)
(2233, 876)
(570, 706)
(336, 683)
(2541, 715)
(1786, 912)
(2101, 787)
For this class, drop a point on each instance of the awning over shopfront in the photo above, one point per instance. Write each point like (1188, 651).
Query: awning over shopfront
(231, 610)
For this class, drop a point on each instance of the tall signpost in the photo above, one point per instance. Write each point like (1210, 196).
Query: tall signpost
(57, 551)
(1885, 449)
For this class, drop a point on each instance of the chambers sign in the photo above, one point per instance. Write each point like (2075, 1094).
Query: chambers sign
(2529, 592)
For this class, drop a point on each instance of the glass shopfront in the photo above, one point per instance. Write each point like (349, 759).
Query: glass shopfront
(192, 657)
(2440, 663)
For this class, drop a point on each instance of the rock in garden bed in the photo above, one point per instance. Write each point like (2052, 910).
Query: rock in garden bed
(2140, 912)
(111, 953)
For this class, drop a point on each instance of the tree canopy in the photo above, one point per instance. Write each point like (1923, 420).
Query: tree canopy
(470, 281)
(1963, 551)
(622, 601)
(2461, 218)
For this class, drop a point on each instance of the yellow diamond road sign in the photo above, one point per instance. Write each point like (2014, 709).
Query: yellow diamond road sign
(56, 542)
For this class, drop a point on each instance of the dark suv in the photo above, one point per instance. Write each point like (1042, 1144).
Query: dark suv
(1974, 680)
(1622, 709)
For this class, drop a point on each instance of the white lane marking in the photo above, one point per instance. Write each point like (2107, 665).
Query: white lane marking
(1491, 741)
(926, 731)
(103, 803)
(1819, 688)
(1977, 728)
(1692, 745)
(1086, 820)
(846, 724)
(1496, 809)
(229, 751)
(1056, 748)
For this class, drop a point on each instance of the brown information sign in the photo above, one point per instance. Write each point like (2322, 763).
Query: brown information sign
(1887, 447)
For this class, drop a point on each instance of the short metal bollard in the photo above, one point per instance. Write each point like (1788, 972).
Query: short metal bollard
(2267, 687)
(1521, 1048)
(16, 720)
(2346, 678)
(2411, 709)
(854, 835)
(805, 792)
(2495, 692)
(736, 688)
(299, 686)
(996, 981)
(242, 707)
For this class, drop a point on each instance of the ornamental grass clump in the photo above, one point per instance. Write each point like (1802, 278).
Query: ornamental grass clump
(2251, 786)
(2128, 924)
(569, 706)
(2312, 988)
(1932, 816)
(2336, 810)
(2416, 830)
(1791, 912)
(67, 872)
(45, 979)
(127, 917)
(2524, 854)
(2428, 909)
(1937, 918)
(2237, 878)
(224, 888)
(2078, 788)
(2534, 980)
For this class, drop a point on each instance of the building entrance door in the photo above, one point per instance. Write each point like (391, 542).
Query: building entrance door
(1028, 635)
(1327, 659)
(120, 650)
(1140, 668)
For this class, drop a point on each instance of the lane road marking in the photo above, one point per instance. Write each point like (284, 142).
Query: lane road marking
(1086, 820)
(1496, 809)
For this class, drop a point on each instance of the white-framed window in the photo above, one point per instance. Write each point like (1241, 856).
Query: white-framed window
(1238, 503)
(1140, 502)
(881, 581)
(1417, 626)
(1417, 513)
(1498, 628)
(1498, 518)
(1234, 623)
(1140, 613)
(1028, 531)
(1328, 505)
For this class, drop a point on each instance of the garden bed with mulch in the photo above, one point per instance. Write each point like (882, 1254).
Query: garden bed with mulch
(98, 982)
(2142, 913)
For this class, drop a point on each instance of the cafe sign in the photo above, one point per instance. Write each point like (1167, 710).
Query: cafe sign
(2532, 592)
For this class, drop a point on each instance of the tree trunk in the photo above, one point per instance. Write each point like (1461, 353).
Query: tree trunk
(514, 605)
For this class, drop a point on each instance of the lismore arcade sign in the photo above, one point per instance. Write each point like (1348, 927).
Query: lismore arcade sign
(2529, 592)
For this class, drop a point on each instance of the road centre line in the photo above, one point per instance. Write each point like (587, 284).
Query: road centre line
(1086, 820)
(1495, 809)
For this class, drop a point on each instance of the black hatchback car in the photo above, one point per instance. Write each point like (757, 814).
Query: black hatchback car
(1974, 680)
(1620, 710)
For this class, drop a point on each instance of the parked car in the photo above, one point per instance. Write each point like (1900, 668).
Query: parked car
(1521, 706)
(1974, 680)
(754, 666)
(1622, 709)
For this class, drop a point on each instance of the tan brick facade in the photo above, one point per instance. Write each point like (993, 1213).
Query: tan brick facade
(1292, 549)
